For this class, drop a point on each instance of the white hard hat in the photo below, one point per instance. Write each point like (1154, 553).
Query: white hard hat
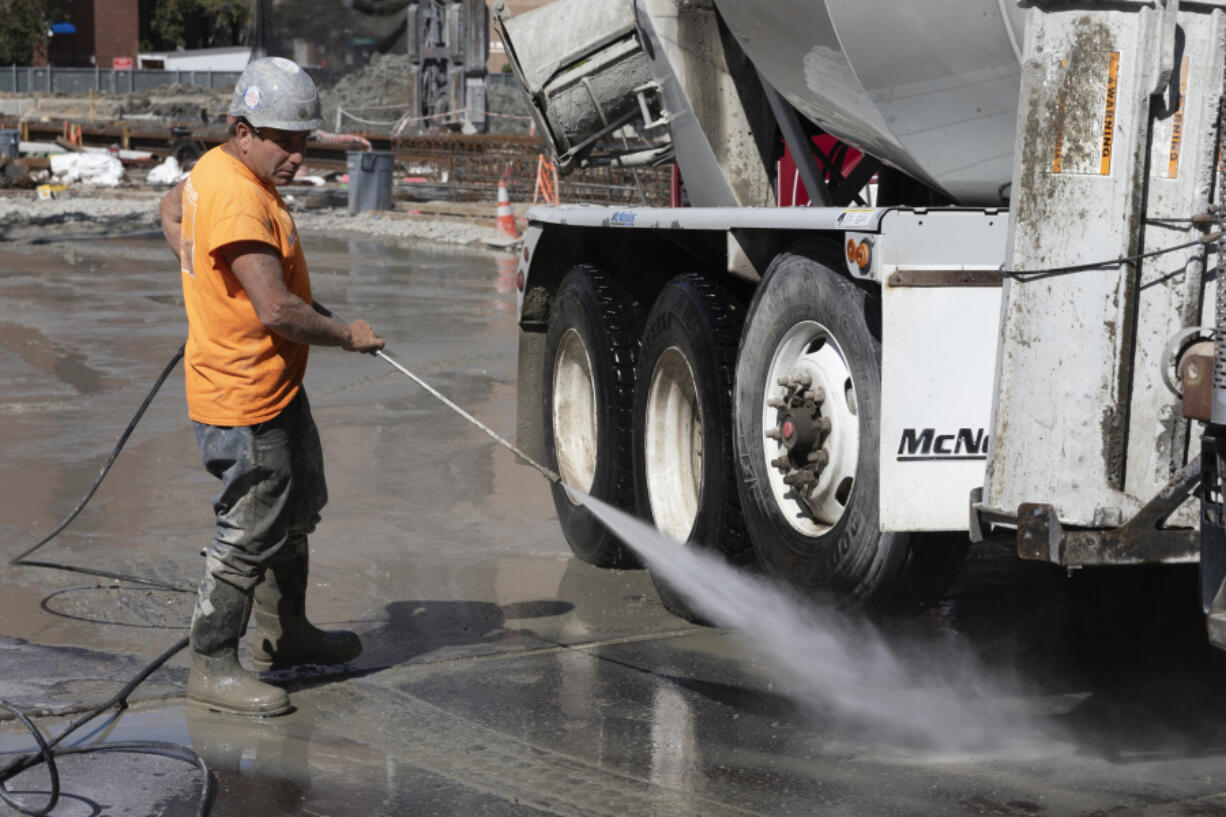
(274, 92)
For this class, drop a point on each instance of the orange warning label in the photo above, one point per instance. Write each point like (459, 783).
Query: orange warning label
(1172, 158)
(1113, 76)
(1057, 162)
(1221, 143)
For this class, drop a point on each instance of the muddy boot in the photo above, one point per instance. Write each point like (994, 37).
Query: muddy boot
(217, 680)
(284, 637)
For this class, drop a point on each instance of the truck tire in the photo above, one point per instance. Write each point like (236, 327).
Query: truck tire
(685, 473)
(589, 388)
(807, 413)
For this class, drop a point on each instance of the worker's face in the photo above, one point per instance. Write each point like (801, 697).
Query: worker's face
(272, 154)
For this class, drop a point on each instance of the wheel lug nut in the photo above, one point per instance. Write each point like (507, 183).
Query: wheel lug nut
(781, 462)
(821, 458)
(823, 425)
(817, 395)
(800, 480)
(786, 382)
(773, 434)
(776, 403)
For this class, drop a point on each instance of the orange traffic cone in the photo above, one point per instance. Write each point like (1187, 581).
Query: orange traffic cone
(506, 219)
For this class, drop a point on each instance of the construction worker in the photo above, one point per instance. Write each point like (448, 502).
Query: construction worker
(248, 301)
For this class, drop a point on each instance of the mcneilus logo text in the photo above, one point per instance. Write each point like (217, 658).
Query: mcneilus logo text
(929, 444)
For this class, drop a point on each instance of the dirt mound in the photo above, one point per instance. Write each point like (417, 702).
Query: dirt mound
(189, 104)
(375, 97)
(378, 93)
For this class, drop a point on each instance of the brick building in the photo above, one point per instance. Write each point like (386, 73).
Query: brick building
(106, 30)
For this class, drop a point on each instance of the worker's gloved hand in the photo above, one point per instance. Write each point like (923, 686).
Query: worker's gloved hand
(362, 338)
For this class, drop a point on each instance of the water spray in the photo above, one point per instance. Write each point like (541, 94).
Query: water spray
(840, 662)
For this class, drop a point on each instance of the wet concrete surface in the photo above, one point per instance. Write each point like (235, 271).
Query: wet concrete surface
(501, 676)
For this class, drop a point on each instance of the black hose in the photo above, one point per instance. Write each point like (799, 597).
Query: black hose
(47, 751)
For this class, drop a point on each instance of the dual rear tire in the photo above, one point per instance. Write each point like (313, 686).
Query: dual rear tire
(669, 375)
(767, 454)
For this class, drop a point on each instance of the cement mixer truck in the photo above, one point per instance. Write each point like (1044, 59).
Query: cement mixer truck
(994, 316)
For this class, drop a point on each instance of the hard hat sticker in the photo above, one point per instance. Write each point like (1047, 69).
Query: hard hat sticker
(252, 98)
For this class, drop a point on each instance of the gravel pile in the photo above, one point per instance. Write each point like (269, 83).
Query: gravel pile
(365, 93)
(381, 91)
(394, 225)
(506, 97)
(25, 218)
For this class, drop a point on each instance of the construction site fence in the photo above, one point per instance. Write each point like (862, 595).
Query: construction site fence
(22, 79)
(471, 166)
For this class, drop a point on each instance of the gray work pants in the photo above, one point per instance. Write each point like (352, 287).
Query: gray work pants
(272, 488)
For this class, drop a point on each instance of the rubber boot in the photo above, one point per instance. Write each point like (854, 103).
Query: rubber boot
(284, 637)
(217, 681)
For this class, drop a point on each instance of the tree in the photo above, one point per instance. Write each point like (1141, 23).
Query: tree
(25, 27)
(168, 26)
(195, 23)
(227, 19)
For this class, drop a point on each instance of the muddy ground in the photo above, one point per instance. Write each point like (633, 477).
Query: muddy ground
(83, 211)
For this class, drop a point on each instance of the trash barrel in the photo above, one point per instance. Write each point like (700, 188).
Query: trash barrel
(370, 180)
(10, 140)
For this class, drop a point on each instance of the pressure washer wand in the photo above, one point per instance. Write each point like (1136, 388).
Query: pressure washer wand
(548, 473)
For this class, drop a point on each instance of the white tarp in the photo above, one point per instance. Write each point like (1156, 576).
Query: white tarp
(168, 172)
(88, 168)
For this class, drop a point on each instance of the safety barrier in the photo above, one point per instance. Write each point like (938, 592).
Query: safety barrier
(546, 191)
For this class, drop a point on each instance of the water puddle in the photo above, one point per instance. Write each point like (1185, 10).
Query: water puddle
(39, 351)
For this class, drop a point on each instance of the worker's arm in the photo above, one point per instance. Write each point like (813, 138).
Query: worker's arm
(258, 268)
(171, 210)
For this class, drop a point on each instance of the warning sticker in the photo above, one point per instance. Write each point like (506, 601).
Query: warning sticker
(1082, 114)
(1168, 129)
(1221, 145)
(1057, 162)
(855, 218)
(1113, 81)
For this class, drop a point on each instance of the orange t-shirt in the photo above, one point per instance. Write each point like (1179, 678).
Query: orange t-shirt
(238, 371)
